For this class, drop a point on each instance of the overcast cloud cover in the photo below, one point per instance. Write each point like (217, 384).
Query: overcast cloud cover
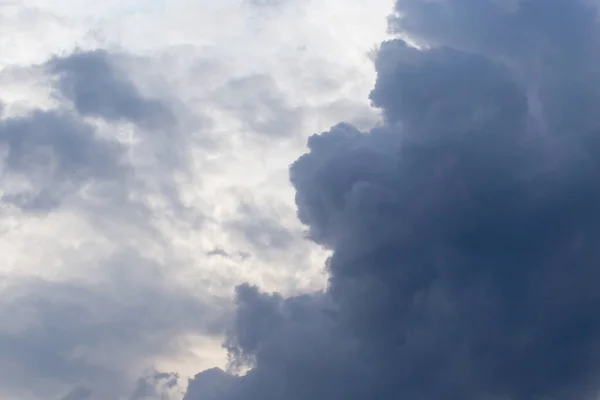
(144, 156)
(161, 216)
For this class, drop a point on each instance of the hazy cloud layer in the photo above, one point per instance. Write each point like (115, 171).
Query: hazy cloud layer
(73, 332)
(143, 175)
(463, 228)
(51, 154)
(79, 393)
(259, 104)
(92, 327)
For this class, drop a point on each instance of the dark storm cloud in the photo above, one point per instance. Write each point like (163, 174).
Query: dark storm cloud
(296, 341)
(210, 384)
(96, 86)
(464, 228)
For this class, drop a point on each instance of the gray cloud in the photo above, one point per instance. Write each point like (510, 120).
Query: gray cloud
(463, 228)
(55, 153)
(293, 337)
(259, 104)
(266, 3)
(52, 155)
(88, 334)
(209, 384)
(218, 252)
(259, 229)
(79, 393)
(155, 385)
(93, 334)
(94, 83)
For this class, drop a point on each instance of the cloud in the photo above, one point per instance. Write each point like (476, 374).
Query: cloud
(78, 333)
(51, 154)
(260, 106)
(209, 384)
(150, 153)
(79, 393)
(95, 85)
(261, 231)
(103, 145)
(98, 306)
(293, 338)
(463, 228)
(156, 385)
(266, 3)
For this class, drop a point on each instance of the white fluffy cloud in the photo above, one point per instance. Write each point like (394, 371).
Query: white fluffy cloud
(144, 154)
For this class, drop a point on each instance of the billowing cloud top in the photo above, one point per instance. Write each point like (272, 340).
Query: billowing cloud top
(463, 228)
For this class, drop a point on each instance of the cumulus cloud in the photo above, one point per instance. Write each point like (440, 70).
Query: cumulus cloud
(463, 228)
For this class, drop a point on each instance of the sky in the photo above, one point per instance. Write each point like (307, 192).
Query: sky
(299, 199)
(144, 156)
